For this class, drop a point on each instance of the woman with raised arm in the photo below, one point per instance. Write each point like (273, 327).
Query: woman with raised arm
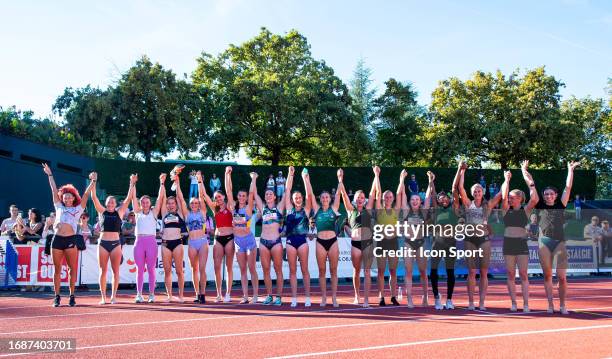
(325, 217)
(477, 212)
(416, 213)
(197, 251)
(243, 237)
(515, 249)
(271, 246)
(388, 213)
(145, 246)
(109, 245)
(552, 238)
(173, 225)
(362, 245)
(224, 239)
(444, 215)
(297, 216)
(68, 209)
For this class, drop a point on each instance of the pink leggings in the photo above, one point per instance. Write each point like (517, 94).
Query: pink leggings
(145, 252)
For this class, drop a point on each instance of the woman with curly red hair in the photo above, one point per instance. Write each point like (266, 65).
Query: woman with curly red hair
(68, 209)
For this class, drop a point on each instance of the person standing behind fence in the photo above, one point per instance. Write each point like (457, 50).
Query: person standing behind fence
(193, 184)
(214, 184)
(578, 207)
(68, 208)
(413, 185)
(594, 232)
(280, 185)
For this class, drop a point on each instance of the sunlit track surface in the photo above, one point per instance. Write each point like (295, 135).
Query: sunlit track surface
(231, 330)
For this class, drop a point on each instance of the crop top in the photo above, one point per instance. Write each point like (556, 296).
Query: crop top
(196, 221)
(68, 215)
(223, 218)
(109, 221)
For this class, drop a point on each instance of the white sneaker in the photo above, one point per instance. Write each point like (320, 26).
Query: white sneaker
(410, 304)
(449, 304)
(471, 306)
(438, 304)
(218, 299)
(550, 310)
(525, 309)
(563, 310)
(113, 300)
(139, 298)
(482, 308)
(513, 307)
(102, 302)
(254, 300)
(293, 302)
(168, 299)
(307, 302)
(227, 298)
(151, 298)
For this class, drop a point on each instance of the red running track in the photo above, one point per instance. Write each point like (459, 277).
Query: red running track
(128, 330)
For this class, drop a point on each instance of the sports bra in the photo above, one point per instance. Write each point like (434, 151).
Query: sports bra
(270, 215)
(196, 221)
(516, 218)
(109, 221)
(241, 218)
(146, 224)
(296, 223)
(68, 215)
(475, 215)
(325, 220)
(387, 216)
(358, 219)
(223, 218)
(173, 220)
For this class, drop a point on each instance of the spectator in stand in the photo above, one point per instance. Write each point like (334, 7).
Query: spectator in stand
(280, 185)
(578, 207)
(214, 183)
(413, 185)
(594, 232)
(422, 195)
(127, 229)
(482, 181)
(350, 193)
(606, 238)
(193, 187)
(533, 228)
(30, 230)
(6, 228)
(271, 184)
(86, 230)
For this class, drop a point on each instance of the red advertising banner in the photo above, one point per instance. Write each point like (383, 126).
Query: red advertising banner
(24, 265)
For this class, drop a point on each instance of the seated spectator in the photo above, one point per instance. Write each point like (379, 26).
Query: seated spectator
(127, 229)
(606, 238)
(7, 226)
(594, 232)
(30, 231)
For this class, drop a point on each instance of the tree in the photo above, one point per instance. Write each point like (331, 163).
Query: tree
(399, 126)
(271, 97)
(499, 119)
(363, 95)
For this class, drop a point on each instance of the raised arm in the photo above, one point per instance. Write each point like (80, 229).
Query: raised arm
(464, 197)
(430, 188)
(49, 174)
(128, 198)
(252, 191)
(180, 199)
(400, 193)
(505, 190)
(336, 204)
(93, 177)
(160, 204)
(345, 197)
(204, 198)
(571, 166)
(135, 205)
(310, 197)
(288, 187)
(229, 189)
(534, 198)
(433, 193)
(493, 202)
(374, 196)
(94, 196)
(455, 189)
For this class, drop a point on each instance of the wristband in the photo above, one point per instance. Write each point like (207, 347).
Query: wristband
(49, 175)
(200, 182)
(532, 185)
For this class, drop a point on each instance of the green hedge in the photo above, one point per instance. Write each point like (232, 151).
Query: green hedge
(114, 177)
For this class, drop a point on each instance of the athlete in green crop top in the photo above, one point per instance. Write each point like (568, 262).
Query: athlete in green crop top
(327, 247)
(360, 220)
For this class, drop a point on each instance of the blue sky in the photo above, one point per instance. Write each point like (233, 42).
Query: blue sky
(47, 46)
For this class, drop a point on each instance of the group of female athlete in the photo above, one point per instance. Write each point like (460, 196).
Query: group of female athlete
(295, 214)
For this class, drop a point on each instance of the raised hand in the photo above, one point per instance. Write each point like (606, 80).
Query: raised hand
(133, 178)
(228, 169)
(376, 170)
(524, 165)
(291, 171)
(253, 175)
(93, 176)
(199, 176)
(162, 178)
(340, 174)
(47, 169)
(572, 165)
(507, 175)
(403, 174)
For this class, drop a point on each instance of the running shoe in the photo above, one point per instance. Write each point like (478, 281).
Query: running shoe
(382, 302)
(255, 299)
(268, 300)
(278, 301)
(307, 302)
(202, 298)
(513, 307)
(244, 300)
(438, 304)
(218, 299)
(293, 302)
(410, 304)
(482, 308)
(56, 301)
(563, 310)
(550, 310)
(335, 303)
(197, 300)
(139, 298)
(151, 298)
(471, 306)
(71, 301)
(113, 300)
(394, 301)
(525, 309)
(227, 298)
(449, 304)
